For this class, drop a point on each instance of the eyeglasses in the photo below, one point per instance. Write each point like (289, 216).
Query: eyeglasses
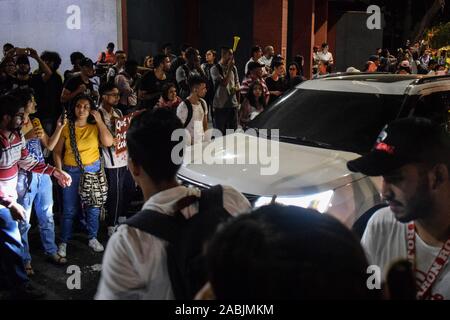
(293, 69)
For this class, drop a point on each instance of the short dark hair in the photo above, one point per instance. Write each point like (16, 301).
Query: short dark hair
(255, 49)
(324, 45)
(150, 145)
(8, 45)
(9, 105)
(214, 52)
(195, 81)
(23, 95)
(225, 49)
(53, 57)
(191, 53)
(111, 45)
(106, 87)
(76, 56)
(286, 252)
(158, 60)
(276, 64)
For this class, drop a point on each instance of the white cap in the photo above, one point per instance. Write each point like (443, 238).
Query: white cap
(352, 70)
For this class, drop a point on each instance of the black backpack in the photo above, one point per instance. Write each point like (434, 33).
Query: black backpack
(191, 111)
(186, 238)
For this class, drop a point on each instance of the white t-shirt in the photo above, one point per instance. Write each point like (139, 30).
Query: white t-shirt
(135, 262)
(195, 126)
(266, 61)
(385, 242)
(325, 56)
(113, 160)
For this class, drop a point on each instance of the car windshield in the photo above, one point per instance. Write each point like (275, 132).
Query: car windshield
(338, 120)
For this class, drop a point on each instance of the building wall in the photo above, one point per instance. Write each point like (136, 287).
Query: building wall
(356, 49)
(221, 21)
(48, 25)
(151, 23)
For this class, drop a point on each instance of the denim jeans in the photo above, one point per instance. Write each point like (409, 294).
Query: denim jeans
(71, 201)
(11, 248)
(37, 190)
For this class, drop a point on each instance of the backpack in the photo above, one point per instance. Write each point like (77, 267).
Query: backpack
(191, 111)
(186, 238)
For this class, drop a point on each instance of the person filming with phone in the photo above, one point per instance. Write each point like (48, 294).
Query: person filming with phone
(23, 77)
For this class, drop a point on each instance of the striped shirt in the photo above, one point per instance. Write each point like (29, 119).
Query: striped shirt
(14, 155)
(248, 81)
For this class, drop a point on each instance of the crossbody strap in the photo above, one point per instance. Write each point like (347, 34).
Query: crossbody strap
(73, 145)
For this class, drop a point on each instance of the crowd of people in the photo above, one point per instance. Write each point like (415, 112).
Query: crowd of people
(419, 58)
(275, 252)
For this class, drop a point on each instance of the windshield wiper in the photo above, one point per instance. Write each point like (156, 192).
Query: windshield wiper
(304, 140)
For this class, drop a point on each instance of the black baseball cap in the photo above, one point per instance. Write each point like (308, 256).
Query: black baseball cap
(404, 141)
(86, 62)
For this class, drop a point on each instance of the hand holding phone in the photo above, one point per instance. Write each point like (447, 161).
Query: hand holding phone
(22, 51)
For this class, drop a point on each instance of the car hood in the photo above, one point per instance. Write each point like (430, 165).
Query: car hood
(295, 168)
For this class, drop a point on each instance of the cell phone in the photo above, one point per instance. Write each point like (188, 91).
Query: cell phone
(22, 51)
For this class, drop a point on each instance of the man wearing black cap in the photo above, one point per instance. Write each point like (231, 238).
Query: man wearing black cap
(413, 157)
(80, 84)
(255, 73)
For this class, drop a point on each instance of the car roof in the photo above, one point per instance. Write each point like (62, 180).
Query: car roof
(376, 83)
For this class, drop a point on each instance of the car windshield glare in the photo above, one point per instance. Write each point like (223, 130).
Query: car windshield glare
(343, 120)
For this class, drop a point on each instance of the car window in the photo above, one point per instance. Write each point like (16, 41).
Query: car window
(434, 106)
(343, 120)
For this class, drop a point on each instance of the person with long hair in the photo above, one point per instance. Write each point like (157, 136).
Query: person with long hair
(293, 75)
(79, 146)
(254, 104)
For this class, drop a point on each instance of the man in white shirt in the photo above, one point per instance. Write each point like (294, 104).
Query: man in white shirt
(267, 58)
(413, 156)
(256, 55)
(193, 112)
(120, 183)
(135, 262)
(325, 55)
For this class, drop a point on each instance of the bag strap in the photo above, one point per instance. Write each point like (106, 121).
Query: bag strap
(190, 112)
(73, 145)
(203, 103)
(211, 198)
(162, 225)
(155, 223)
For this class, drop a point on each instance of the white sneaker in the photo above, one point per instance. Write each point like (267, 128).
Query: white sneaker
(95, 245)
(111, 231)
(62, 250)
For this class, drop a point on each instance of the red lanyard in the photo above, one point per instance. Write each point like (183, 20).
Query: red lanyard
(435, 268)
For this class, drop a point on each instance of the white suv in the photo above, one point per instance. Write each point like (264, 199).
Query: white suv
(323, 124)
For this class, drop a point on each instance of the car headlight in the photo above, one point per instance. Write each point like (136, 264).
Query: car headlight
(317, 201)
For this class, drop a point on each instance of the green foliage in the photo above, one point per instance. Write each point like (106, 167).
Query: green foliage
(439, 36)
